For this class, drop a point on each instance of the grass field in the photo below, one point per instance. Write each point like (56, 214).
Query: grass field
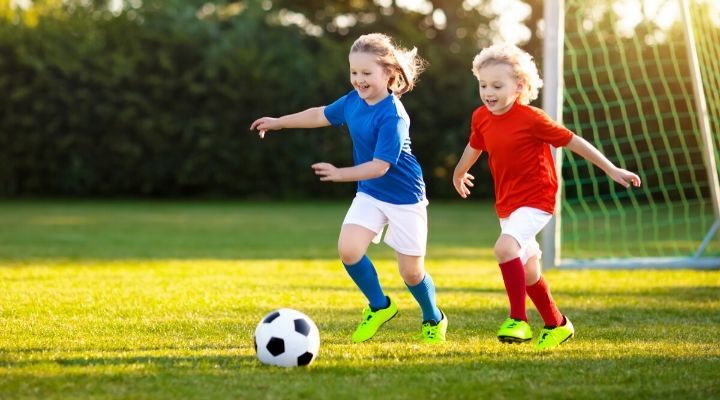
(158, 300)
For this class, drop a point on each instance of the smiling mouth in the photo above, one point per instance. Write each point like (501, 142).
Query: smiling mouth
(490, 102)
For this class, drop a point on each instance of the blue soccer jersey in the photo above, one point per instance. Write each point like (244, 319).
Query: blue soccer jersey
(381, 131)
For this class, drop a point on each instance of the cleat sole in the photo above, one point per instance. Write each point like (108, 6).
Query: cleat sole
(567, 338)
(511, 339)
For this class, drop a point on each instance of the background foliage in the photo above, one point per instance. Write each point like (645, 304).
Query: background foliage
(157, 98)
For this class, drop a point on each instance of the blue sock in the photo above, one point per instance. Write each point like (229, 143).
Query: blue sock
(424, 293)
(365, 277)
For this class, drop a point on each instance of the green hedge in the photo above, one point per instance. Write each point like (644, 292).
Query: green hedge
(156, 101)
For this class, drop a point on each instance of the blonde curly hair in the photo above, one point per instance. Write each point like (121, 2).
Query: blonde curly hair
(522, 64)
(404, 65)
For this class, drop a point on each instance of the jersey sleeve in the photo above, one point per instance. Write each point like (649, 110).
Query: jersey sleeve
(477, 141)
(391, 132)
(335, 112)
(549, 131)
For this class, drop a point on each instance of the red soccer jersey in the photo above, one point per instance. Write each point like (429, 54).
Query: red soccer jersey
(521, 164)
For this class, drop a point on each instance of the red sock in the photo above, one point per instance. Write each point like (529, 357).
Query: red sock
(513, 274)
(540, 295)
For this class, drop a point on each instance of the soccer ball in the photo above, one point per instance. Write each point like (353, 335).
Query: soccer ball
(287, 338)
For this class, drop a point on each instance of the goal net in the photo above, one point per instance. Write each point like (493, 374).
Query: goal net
(639, 79)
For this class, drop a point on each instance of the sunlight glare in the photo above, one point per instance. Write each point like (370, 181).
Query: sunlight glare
(631, 14)
(509, 23)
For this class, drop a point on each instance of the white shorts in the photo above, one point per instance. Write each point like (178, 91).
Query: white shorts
(407, 223)
(523, 225)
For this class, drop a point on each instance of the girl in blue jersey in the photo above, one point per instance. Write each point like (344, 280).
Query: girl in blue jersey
(390, 189)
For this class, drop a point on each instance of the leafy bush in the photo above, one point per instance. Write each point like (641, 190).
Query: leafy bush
(157, 100)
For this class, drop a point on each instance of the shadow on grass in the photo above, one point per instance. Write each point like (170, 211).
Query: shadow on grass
(700, 294)
(601, 362)
(508, 374)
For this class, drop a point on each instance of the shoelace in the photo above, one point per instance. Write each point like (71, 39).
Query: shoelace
(367, 319)
(428, 331)
(544, 336)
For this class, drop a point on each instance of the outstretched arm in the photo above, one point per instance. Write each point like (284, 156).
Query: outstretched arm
(310, 118)
(587, 151)
(369, 170)
(461, 179)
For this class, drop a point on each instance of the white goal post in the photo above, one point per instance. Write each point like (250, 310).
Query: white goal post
(702, 233)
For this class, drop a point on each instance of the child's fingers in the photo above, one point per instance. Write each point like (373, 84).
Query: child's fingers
(260, 128)
(461, 189)
(631, 179)
(322, 170)
(458, 188)
(258, 124)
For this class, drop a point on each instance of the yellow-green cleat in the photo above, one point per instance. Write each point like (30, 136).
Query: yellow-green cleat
(373, 320)
(434, 332)
(514, 331)
(551, 338)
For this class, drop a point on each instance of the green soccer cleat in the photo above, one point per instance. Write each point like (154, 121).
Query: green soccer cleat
(373, 320)
(551, 338)
(434, 332)
(514, 331)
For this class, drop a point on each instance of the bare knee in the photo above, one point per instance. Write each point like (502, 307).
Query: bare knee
(412, 278)
(353, 243)
(506, 250)
(412, 268)
(349, 254)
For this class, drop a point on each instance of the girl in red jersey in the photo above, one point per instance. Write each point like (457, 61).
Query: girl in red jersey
(517, 138)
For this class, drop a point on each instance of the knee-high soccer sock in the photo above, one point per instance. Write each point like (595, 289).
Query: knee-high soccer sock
(513, 274)
(424, 293)
(365, 277)
(540, 295)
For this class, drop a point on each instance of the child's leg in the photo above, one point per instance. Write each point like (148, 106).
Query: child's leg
(420, 284)
(363, 222)
(422, 287)
(558, 329)
(539, 293)
(352, 246)
(507, 252)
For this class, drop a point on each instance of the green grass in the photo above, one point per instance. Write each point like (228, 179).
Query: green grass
(158, 300)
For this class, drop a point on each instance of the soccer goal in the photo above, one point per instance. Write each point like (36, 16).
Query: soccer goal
(640, 79)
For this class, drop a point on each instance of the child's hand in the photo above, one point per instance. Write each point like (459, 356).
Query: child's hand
(463, 183)
(265, 124)
(326, 172)
(625, 177)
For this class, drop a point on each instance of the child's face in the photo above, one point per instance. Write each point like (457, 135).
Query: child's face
(368, 77)
(498, 87)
